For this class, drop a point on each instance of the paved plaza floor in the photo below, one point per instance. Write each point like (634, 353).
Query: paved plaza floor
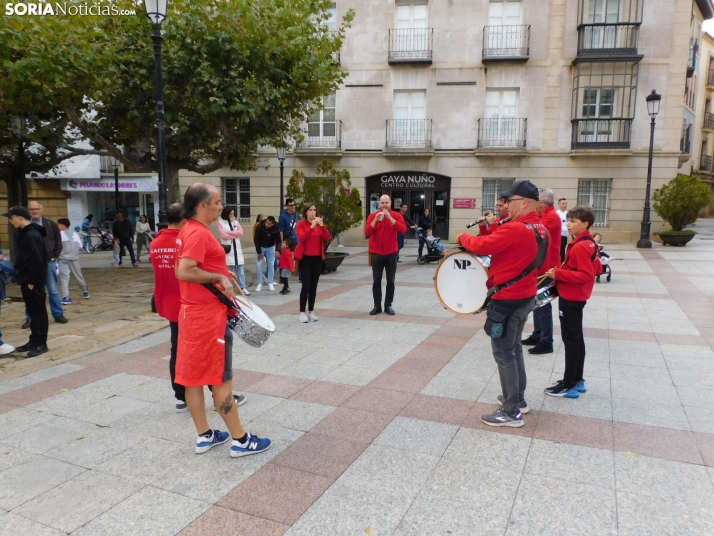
(375, 420)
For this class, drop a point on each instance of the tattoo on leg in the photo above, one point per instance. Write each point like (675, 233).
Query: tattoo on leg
(227, 404)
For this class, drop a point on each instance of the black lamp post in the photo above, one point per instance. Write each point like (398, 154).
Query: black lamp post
(19, 124)
(653, 100)
(281, 157)
(156, 11)
(115, 164)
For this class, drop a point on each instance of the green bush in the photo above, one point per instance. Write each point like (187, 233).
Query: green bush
(679, 201)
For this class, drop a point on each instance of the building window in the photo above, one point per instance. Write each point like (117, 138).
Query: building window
(321, 126)
(491, 190)
(410, 40)
(236, 194)
(409, 128)
(603, 104)
(331, 22)
(596, 193)
(501, 126)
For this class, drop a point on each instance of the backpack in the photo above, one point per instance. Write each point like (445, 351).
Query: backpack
(597, 265)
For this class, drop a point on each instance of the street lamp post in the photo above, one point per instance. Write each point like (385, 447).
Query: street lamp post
(156, 11)
(115, 165)
(653, 101)
(19, 124)
(281, 157)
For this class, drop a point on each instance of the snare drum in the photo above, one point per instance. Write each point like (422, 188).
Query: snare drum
(545, 295)
(460, 282)
(251, 324)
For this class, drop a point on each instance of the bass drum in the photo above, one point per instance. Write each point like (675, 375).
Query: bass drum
(460, 282)
(251, 324)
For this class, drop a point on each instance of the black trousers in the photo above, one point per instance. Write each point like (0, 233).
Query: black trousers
(571, 330)
(381, 263)
(37, 311)
(128, 245)
(310, 270)
(563, 245)
(179, 390)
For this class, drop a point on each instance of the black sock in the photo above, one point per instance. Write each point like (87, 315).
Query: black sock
(207, 434)
(242, 439)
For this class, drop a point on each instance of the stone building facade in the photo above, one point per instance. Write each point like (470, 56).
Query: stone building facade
(447, 102)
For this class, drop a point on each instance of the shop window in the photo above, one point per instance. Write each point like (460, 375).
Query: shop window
(596, 193)
(491, 190)
(236, 194)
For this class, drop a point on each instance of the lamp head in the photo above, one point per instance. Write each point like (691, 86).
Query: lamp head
(18, 125)
(156, 10)
(653, 100)
(281, 153)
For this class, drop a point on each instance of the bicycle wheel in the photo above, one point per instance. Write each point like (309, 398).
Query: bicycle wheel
(90, 248)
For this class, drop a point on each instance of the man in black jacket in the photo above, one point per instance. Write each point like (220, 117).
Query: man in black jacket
(267, 241)
(123, 231)
(31, 262)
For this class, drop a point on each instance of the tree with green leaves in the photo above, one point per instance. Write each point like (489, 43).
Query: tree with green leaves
(236, 75)
(679, 201)
(331, 191)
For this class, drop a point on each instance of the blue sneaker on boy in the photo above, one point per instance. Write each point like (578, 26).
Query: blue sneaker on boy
(206, 443)
(580, 386)
(253, 445)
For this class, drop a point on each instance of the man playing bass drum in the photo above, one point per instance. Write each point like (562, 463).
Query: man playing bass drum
(516, 251)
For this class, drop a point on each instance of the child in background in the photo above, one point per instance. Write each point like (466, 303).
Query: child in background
(433, 241)
(287, 264)
(69, 261)
(117, 252)
(575, 282)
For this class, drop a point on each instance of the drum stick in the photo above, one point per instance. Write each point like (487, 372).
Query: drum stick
(541, 279)
(247, 301)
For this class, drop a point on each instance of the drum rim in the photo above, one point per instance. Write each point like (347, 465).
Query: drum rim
(436, 273)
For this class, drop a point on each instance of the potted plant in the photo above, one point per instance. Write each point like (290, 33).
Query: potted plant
(336, 201)
(678, 203)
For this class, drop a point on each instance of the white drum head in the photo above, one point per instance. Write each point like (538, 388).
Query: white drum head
(460, 282)
(255, 313)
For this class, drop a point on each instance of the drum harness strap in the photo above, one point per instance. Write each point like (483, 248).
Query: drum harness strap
(232, 308)
(542, 244)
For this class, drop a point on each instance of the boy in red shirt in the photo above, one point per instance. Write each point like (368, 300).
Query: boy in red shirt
(287, 264)
(575, 281)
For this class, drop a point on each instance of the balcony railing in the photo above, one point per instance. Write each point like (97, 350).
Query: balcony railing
(411, 45)
(409, 133)
(710, 77)
(706, 163)
(601, 133)
(708, 121)
(327, 135)
(692, 58)
(502, 132)
(684, 145)
(607, 38)
(502, 43)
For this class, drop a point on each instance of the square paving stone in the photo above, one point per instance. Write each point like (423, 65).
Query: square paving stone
(488, 448)
(110, 410)
(94, 449)
(149, 511)
(79, 500)
(353, 424)
(21, 419)
(326, 393)
(320, 454)
(415, 434)
(379, 400)
(52, 434)
(582, 465)
(12, 524)
(639, 514)
(296, 414)
(217, 520)
(24, 482)
(12, 456)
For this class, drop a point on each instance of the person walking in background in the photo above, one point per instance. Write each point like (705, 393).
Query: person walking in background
(86, 224)
(31, 260)
(562, 213)
(230, 231)
(287, 221)
(53, 245)
(260, 273)
(266, 242)
(286, 264)
(401, 237)
(426, 224)
(143, 236)
(69, 261)
(122, 230)
(313, 234)
(381, 228)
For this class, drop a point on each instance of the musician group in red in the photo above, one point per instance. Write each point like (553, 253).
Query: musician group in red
(194, 290)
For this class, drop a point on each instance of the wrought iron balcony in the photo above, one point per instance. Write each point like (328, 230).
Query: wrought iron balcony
(692, 58)
(325, 135)
(708, 121)
(608, 39)
(411, 45)
(502, 132)
(684, 145)
(706, 163)
(506, 43)
(601, 133)
(409, 133)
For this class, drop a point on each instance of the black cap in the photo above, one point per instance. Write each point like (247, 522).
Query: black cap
(18, 211)
(523, 188)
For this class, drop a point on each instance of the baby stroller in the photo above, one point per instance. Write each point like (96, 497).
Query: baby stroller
(605, 261)
(433, 253)
(106, 241)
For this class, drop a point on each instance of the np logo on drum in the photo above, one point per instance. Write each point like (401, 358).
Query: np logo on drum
(461, 264)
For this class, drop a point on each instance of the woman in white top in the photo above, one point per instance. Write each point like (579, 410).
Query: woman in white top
(230, 232)
(143, 236)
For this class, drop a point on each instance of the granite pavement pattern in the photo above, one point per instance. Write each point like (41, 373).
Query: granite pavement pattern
(375, 421)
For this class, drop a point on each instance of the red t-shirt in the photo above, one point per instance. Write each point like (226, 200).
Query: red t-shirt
(383, 236)
(310, 241)
(198, 243)
(163, 252)
(552, 222)
(577, 277)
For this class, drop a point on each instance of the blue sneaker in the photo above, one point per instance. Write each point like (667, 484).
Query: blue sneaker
(572, 393)
(66, 301)
(580, 386)
(204, 444)
(86, 295)
(562, 390)
(254, 445)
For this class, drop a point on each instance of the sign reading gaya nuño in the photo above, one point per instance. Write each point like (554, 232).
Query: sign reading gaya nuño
(417, 180)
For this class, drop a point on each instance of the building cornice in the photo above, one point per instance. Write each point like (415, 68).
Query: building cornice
(706, 8)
